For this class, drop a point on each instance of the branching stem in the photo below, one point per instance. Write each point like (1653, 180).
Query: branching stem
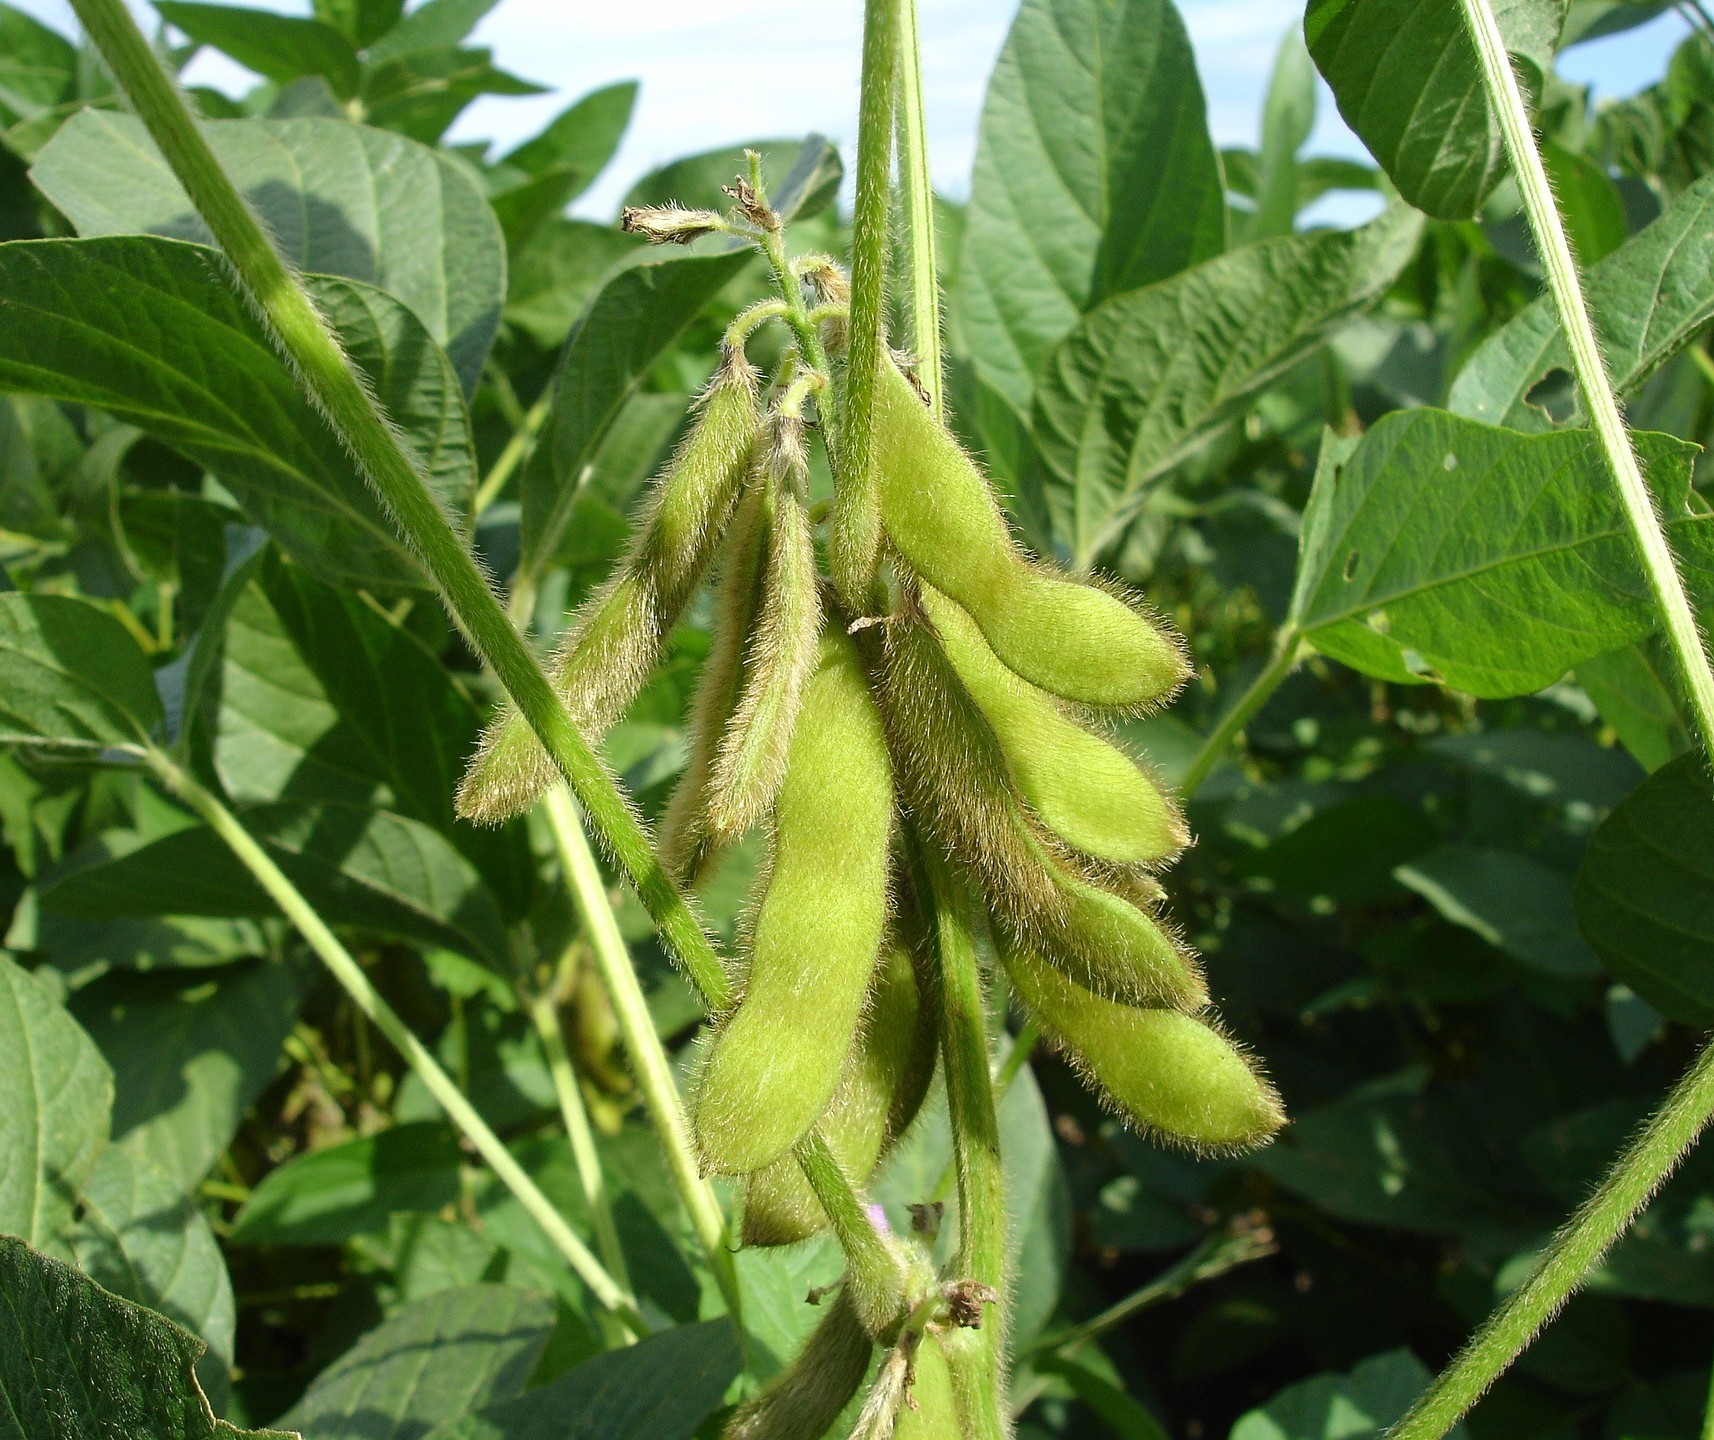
(1288, 647)
(916, 204)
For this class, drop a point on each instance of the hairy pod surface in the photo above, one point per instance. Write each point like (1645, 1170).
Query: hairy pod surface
(1086, 790)
(751, 760)
(615, 640)
(886, 1077)
(1073, 639)
(954, 775)
(1161, 1071)
(806, 1398)
(776, 1060)
(928, 1412)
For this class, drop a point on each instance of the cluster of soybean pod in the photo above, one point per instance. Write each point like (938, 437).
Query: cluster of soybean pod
(947, 727)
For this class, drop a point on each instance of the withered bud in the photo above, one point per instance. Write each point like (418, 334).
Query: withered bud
(925, 1218)
(669, 224)
(823, 275)
(965, 1299)
(751, 205)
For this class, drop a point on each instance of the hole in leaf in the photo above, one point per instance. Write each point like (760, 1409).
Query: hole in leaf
(1555, 395)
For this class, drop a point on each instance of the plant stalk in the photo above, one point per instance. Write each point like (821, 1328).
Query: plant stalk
(1288, 647)
(1506, 99)
(609, 1291)
(649, 1060)
(516, 452)
(854, 541)
(1640, 1171)
(916, 204)
(545, 1014)
(972, 1355)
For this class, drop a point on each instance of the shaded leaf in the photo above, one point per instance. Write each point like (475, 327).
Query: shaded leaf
(1357, 1406)
(55, 1094)
(38, 66)
(278, 47)
(1514, 903)
(337, 198)
(1636, 690)
(71, 676)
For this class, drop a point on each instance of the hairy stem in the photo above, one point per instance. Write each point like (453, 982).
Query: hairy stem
(854, 542)
(1506, 99)
(916, 204)
(1573, 1253)
(345, 969)
(874, 1274)
(545, 1014)
(972, 1355)
(649, 1060)
(1288, 646)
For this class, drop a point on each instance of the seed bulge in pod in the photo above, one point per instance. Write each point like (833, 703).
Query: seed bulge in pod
(775, 1062)
(1160, 1070)
(1073, 639)
(1088, 792)
(806, 1398)
(617, 636)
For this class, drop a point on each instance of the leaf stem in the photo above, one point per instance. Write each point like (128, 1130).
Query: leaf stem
(916, 203)
(854, 542)
(372, 1004)
(1506, 99)
(874, 1274)
(545, 1015)
(1641, 1170)
(648, 1056)
(1288, 647)
(516, 452)
(972, 1355)
(1708, 1411)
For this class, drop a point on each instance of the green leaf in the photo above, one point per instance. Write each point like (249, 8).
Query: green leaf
(190, 1054)
(76, 1362)
(421, 92)
(1649, 298)
(636, 317)
(1636, 690)
(325, 1196)
(1406, 79)
(431, 26)
(1589, 204)
(1514, 903)
(277, 47)
(370, 869)
(141, 1237)
(1094, 1385)
(1645, 894)
(1094, 176)
(71, 676)
(361, 21)
(661, 1388)
(1146, 378)
(337, 198)
(1486, 560)
(38, 66)
(1288, 117)
(207, 381)
(582, 137)
(55, 1094)
(1357, 1406)
(802, 176)
(556, 272)
(436, 1359)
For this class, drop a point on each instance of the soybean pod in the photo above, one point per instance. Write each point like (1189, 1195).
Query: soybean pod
(805, 1399)
(617, 637)
(1071, 638)
(928, 1411)
(776, 1060)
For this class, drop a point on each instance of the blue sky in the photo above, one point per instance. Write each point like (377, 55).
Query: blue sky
(723, 71)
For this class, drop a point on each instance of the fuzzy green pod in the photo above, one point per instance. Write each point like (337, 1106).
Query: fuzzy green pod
(928, 1411)
(886, 1077)
(1074, 639)
(808, 1396)
(608, 650)
(775, 1062)
(953, 775)
(1164, 1072)
(1087, 791)
(750, 762)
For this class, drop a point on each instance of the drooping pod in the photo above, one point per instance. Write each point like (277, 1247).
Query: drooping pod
(806, 1398)
(1162, 1071)
(776, 1060)
(886, 1077)
(617, 637)
(1073, 639)
(1086, 791)
(954, 776)
(750, 761)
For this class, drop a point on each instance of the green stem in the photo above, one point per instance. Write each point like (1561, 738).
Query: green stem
(649, 1059)
(369, 1000)
(516, 452)
(1708, 1411)
(545, 1013)
(1005, 1073)
(1288, 646)
(854, 543)
(874, 1274)
(916, 203)
(307, 343)
(1506, 100)
(1573, 1253)
(973, 1355)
